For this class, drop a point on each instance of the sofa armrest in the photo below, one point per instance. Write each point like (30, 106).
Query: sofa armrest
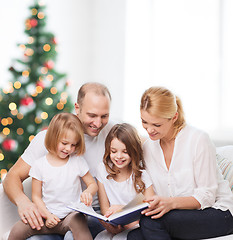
(8, 211)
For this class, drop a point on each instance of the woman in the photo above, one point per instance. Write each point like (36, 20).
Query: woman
(192, 200)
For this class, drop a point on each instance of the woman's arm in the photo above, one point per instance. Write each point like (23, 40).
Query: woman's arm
(90, 191)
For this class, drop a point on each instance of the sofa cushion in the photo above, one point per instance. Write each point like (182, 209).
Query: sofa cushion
(225, 161)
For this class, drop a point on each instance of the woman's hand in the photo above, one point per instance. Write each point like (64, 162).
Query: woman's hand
(86, 198)
(52, 220)
(158, 206)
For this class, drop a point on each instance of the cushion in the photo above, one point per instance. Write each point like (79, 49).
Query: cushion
(225, 162)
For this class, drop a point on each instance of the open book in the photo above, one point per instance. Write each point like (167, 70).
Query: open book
(129, 213)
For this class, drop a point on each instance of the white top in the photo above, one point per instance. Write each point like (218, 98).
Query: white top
(192, 171)
(95, 147)
(61, 185)
(120, 192)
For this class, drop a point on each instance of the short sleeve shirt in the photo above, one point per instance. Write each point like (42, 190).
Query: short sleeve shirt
(60, 185)
(120, 192)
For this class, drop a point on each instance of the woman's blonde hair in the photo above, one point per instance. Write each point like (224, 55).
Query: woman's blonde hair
(57, 129)
(128, 135)
(162, 103)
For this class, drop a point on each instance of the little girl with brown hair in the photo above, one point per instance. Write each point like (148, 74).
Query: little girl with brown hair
(121, 177)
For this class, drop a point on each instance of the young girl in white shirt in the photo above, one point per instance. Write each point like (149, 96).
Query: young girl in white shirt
(56, 181)
(121, 177)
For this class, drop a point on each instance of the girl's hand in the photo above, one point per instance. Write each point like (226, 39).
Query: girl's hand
(130, 225)
(158, 206)
(111, 228)
(51, 221)
(113, 209)
(86, 198)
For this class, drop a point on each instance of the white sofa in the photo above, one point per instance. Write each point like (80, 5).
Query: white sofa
(9, 214)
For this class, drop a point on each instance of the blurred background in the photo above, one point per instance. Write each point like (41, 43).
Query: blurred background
(130, 45)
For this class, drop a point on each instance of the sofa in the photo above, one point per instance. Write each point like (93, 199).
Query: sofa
(9, 214)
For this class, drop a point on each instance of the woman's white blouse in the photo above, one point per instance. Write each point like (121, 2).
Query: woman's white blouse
(192, 171)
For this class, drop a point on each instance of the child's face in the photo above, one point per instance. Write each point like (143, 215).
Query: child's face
(66, 145)
(118, 154)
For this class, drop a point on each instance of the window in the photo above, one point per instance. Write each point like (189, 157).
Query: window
(184, 46)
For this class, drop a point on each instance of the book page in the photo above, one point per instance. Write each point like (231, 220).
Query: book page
(134, 205)
(136, 201)
(133, 208)
(81, 207)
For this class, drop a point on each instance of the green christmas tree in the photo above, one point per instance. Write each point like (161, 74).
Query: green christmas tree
(35, 93)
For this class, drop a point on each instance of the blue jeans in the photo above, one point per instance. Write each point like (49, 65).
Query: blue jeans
(185, 224)
(46, 237)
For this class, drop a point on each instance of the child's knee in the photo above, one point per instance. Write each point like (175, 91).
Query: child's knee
(78, 220)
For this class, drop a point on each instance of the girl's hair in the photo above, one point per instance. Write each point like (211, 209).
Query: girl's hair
(162, 103)
(127, 134)
(57, 129)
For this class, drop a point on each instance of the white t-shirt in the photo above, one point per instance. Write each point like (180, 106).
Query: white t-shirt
(120, 192)
(192, 171)
(60, 185)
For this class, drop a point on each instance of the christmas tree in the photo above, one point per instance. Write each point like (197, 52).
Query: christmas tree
(35, 93)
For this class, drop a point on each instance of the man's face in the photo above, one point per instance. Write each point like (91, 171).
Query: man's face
(93, 113)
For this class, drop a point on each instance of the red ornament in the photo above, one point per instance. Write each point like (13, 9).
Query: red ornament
(54, 40)
(27, 101)
(33, 22)
(40, 84)
(49, 64)
(9, 144)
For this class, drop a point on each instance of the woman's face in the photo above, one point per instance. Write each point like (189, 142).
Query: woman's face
(157, 128)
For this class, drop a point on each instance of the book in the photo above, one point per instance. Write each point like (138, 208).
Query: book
(129, 213)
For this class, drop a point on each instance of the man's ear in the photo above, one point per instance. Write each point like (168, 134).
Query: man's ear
(77, 108)
(175, 117)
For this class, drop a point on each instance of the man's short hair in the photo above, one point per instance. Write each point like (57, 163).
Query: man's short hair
(97, 88)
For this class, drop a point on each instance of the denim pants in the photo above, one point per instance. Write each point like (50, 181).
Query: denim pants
(185, 224)
(46, 237)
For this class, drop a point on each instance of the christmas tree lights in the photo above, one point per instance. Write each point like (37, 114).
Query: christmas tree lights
(36, 92)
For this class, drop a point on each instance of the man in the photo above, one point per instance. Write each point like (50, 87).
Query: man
(92, 108)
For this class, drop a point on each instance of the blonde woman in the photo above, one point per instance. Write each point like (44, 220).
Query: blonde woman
(192, 200)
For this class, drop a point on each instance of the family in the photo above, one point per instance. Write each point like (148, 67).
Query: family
(87, 158)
